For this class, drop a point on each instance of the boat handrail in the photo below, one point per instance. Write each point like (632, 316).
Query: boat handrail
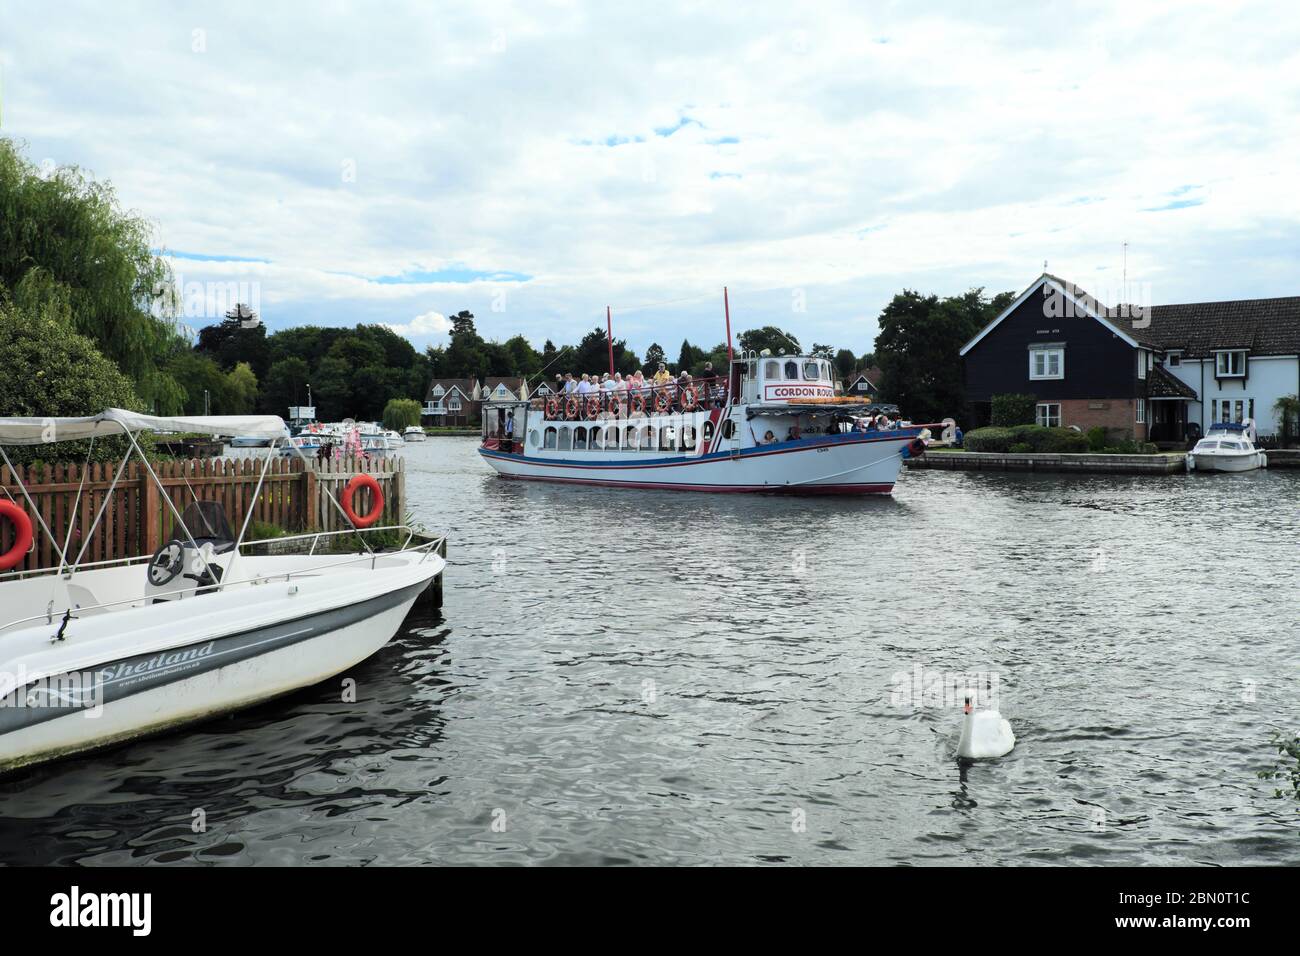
(709, 393)
(372, 556)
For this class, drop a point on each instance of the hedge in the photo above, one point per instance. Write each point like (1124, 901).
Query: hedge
(1011, 410)
(1027, 438)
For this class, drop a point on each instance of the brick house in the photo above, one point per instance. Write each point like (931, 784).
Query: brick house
(864, 384)
(452, 401)
(1158, 373)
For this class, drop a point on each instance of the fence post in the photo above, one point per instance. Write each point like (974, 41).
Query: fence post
(309, 495)
(150, 517)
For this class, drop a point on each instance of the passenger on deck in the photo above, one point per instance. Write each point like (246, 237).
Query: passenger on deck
(663, 376)
(793, 434)
(768, 438)
(584, 386)
(570, 386)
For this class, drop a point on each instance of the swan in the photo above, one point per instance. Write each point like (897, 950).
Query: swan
(984, 733)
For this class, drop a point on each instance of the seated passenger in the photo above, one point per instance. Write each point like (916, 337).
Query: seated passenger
(793, 434)
(768, 438)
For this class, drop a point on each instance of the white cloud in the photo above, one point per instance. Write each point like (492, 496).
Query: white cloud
(424, 326)
(873, 149)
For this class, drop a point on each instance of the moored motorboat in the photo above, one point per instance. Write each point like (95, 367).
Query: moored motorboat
(1229, 446)
(92, 654)
(414, 433)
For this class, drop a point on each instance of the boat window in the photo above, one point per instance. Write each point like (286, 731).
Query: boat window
(707, 432)
(811, 371)
(688, 437)
(550, 438)
(534, 438)
(772, 369)
(629, 438)
(566, 439)
(1209, 445)
(792, 369)
(580, 438)
(729, 429)
(667, 436)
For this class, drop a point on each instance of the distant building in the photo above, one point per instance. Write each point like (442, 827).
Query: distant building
(863, 384)
(1159, 373)
(504, 389)
(452, 401)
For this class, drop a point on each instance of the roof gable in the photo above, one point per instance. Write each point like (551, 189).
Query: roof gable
(1070, 297)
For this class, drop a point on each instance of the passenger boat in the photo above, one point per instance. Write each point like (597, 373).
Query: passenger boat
(92, 654)
(774, 424)
(1229, 446)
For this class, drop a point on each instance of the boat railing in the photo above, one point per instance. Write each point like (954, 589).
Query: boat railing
(667, 398)
(428, 547)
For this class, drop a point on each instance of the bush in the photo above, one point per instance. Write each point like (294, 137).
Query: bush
(401, 413)
(1011, 410)
(1096, 438)
(1027, 438)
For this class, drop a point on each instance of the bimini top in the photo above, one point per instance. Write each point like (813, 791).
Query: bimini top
(115, 421)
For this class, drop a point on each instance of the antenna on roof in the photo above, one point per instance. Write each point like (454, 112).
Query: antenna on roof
(1125, 279)
(1044, 265)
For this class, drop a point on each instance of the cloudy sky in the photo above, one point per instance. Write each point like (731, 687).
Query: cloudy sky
(536, 162)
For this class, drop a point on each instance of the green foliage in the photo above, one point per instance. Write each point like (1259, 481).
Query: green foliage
(1023, 439)
(917, 349)
(262, 530)
(1096, 438)
(1288, 411)
(1286, 768)
(401, 413)
(769, 337)
(48, 370)
(241, 387)
(1011, 410)
(66, 244)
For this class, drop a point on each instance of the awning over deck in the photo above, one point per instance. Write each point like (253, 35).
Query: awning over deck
(115, 421)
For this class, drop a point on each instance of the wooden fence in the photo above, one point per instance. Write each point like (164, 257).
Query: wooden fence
(137, 520)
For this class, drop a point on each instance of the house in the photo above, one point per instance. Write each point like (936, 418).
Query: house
(452, 401)
(863, 384)
(504, 389)
(1157, 373)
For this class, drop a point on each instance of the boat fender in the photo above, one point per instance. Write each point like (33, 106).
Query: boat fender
(376, 493)
(22, 535)
(913, 449)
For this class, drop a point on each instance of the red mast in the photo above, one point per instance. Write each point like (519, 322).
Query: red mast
(727, 310)
(609, 331)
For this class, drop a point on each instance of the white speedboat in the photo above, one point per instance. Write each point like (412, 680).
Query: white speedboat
(1229, 446)
(414, 433)
(776, 426)
(92, 654)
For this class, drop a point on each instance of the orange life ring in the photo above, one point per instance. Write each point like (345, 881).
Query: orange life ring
(571, 407)
(593, 407)
(552, 407)
(662, 401)
(376, 493)
(638, 403)
(22, 534)
(690, 398)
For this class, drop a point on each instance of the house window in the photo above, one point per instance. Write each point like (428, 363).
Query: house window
(1174, 359)
(1047, 363)
(438, 390)
(1142, 363)
(1230, 364)
(1141, 411)
(1048, 414)
(453, 403)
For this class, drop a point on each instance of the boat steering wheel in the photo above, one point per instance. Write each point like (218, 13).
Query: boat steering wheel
(166, 563)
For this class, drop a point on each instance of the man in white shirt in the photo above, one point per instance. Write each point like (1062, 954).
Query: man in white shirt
(584, 386)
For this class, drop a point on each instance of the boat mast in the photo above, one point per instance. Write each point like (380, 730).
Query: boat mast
(609, 334)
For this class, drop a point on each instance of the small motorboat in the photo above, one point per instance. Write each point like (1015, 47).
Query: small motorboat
(250, 441)
(414, 433)
(196, 629)
(1229, 446)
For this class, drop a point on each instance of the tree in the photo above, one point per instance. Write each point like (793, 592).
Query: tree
(401, 413)
(769, 337)
(241, 389)
(206, 388)
(653, 356)
(48, 370)
(1288, 411)
(917, 349)
(230, 342)
(845, 363)
(66, 243)
(285, 385)
(690, 358)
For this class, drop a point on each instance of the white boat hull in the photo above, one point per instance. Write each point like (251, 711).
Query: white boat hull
(863, 463)
(147, 683)
(1227, 462)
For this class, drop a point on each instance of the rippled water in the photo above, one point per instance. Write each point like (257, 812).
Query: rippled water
(651, 677)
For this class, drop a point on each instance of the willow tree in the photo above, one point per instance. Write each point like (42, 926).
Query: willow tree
(66, 243)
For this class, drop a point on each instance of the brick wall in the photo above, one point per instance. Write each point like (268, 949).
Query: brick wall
(1118, 414)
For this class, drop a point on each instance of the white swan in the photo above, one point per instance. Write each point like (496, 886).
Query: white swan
(984, 733)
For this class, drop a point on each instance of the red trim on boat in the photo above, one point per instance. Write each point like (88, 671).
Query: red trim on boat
(802, 489)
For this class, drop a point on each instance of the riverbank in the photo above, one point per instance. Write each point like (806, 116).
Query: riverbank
(1161, 464)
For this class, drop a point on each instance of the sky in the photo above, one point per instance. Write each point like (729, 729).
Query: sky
(534, 163)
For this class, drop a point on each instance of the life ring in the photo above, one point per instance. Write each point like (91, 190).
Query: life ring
(376, 493)
(638, 403)
(593, 407)
(662, 401)
(690, 398)
(22, 534)
(571, 407)
(552, 407)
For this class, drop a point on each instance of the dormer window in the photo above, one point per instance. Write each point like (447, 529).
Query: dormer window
(1174, 358)
(438, 390)
(1230, 364)
(1046, 362)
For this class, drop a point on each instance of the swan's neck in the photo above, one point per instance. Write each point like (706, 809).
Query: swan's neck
(967, 730)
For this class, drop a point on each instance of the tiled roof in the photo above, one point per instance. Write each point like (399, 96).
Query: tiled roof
(466, 386)
(1264, 326)
(1162, 384)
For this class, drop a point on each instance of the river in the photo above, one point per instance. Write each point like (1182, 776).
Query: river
(672, 678)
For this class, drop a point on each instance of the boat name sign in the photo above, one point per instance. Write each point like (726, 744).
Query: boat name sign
(798, 391)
